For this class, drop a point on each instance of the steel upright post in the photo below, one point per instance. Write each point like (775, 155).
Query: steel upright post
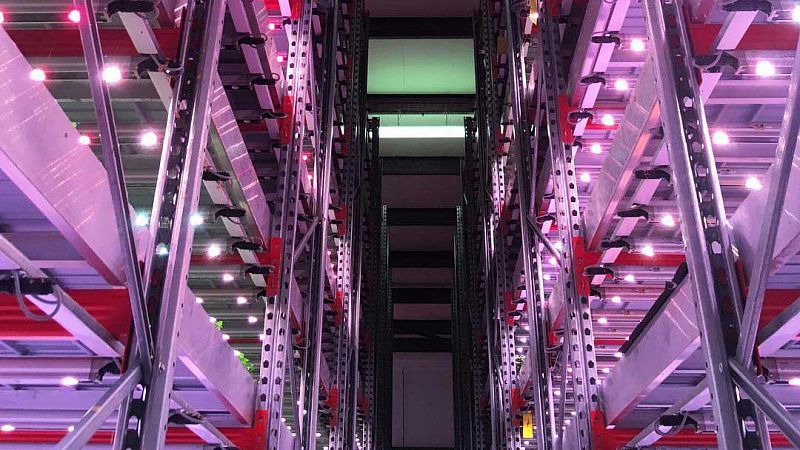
(176, 198)
(534, 288)
(90, 38)
(322, 204)
(579, 336)
(708, 250)
(277, 336)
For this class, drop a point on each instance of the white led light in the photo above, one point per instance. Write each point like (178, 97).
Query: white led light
(69, 381)
(602, 321)
(596, 149)
(141, 220)
(629, 278)
(37, 75)
(241, 300)
(162, 250)
(237, 353)
(319, 434)
(796, 13)
(2, 17)
(7, 428)
(252, 319)
(196, 219)
(547, 276)
(552, 261)
(112, 74)
(71, 428)
(446, 131)
(262, 336)
(585, 177)
(213, 251)
(557, 393)
(720, 138)
(606, 370)
(199, 300)
(667, 220)
(753, 184)
(558, 245)
(225, 337)
(618, 354)
(148, 139)
(226, 277)
(616, 299)
(637, 45)
(84, 139)
(794, 381)
(212, 319)
(647, 250)
(765, 69)
(607, 120)
(74, 16)
(621, 85)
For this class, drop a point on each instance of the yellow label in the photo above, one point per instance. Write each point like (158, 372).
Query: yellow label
(527, 425)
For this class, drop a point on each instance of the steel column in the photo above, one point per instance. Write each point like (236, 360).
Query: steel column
(93, 53)
(765, 248)
(700, 206)
(277, 344)
(113, 399)
(579, 336)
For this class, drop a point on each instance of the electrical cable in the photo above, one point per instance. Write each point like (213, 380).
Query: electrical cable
(672, 430)
(30, 314)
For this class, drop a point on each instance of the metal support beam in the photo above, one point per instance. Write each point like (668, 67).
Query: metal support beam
(98, 414)
(93, 53)
(697, 185)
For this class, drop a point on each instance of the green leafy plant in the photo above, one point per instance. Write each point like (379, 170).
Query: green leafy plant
(245, 361)
(218, 324)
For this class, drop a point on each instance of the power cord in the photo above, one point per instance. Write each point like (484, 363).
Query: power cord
(30, 314)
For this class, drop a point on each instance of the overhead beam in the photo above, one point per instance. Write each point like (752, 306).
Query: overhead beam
(430, 260)
(412, 217)
(420, 103)
(72, 192)
(642, 116)
(427, 328)
(67, 42)
(421, 295)
(420, 28)
(421, 345)
(435, 165)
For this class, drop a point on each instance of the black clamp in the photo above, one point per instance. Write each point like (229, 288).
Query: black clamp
(594, 271)
(654, 173)
(252, 40)
(130, 6)
(230, 213)
(247, 245)
(636, 211)
(216, 175)
(717, 62)
(577, 116)
(763, 6)
(606, 38)
(616, 243)
(27, 286)
(259, 270)
(593, 79)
